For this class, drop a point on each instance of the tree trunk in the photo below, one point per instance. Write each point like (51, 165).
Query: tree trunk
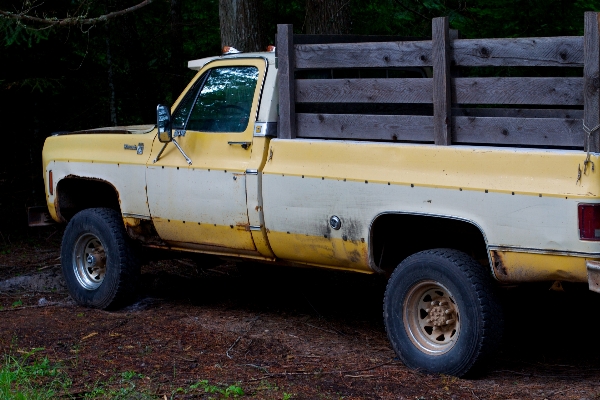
(328, 17)
(241, 25)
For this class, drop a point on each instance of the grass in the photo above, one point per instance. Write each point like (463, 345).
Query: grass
(221, 391)
(28, 377)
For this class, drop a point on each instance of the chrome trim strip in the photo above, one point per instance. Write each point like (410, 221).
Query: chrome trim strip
(544, 251)
(138, 216)
(255, 228)
(376, 268)
(251, 172)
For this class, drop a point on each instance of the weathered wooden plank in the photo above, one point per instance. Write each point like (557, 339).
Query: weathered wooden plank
(591, 76)
(393, 90)
(369, 127)
(366, 108)
(554, 91)
(286, 124)
(549, 91)
(517, 113)
(321, 39)
(565, 51)
(518, 131)
(363, 55)
(442, 107)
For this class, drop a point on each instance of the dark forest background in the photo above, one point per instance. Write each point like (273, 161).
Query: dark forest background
(76, 76)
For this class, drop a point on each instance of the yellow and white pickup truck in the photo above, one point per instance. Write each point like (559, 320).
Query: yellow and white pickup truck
(373, 156)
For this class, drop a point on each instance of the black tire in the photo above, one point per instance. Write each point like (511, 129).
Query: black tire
(99, 264)
(441, 313)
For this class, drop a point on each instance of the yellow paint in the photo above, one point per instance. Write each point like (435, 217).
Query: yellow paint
(320, 251)
(97, 148)
(209, 151)
(207, 234)
(522, 171)
(515, 267)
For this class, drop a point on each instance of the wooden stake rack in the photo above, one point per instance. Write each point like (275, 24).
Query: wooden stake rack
(501, 110)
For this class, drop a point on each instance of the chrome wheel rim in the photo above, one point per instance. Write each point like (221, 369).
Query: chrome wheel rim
(431, 318)
(89, 261)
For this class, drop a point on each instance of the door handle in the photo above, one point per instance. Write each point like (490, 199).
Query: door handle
(244, 145)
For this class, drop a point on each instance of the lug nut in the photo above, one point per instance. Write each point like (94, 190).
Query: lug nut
(450, 321)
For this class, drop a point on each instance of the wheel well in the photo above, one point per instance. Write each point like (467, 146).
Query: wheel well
(77, 194)
(396, 236)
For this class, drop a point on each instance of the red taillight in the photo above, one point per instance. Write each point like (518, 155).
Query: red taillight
(50, 183)
(589, 221)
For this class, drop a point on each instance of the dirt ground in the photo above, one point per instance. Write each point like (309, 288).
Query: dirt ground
(277, 333)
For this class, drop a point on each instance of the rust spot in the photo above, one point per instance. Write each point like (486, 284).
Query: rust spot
(57, 210)
(241, 226)
(259, 208)
(498, 263)
(143, 231)
(354, 256)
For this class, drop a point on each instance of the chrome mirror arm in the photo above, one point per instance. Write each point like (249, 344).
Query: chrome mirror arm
(187, 159)
(182, 152)
(160, 153)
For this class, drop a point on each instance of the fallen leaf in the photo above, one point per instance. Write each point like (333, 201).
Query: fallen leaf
(89, 336)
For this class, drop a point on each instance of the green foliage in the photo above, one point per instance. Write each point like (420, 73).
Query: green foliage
(223, 391)
(26, 377)
(18, 34)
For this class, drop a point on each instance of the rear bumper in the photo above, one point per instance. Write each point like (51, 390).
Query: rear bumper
(593, 273)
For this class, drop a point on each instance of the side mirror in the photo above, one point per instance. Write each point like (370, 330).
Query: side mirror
(163, 123)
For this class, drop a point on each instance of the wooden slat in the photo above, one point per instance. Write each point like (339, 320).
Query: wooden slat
(591, 76)
(554, 91)
(518, 131)
(566, 51)
(364, 55)
(369, 127)
(549, 91)
(393, 90)
(442, 107)
(517, 113)
(321, 39)
(286, 125)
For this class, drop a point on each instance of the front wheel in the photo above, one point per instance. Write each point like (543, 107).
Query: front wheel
(440, 312)
(98, 261)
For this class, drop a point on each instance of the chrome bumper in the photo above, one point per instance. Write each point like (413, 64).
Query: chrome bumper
(593, 272)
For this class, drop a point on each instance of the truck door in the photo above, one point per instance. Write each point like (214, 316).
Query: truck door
(203, 205)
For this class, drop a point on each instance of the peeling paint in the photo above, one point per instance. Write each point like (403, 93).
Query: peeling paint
(517, 267)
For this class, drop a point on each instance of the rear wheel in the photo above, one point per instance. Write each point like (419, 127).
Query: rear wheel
(440, 312)
(98, 261)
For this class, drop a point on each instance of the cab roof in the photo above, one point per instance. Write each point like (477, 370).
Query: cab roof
(197, 65)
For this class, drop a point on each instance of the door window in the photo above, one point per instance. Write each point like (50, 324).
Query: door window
(222, 105)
